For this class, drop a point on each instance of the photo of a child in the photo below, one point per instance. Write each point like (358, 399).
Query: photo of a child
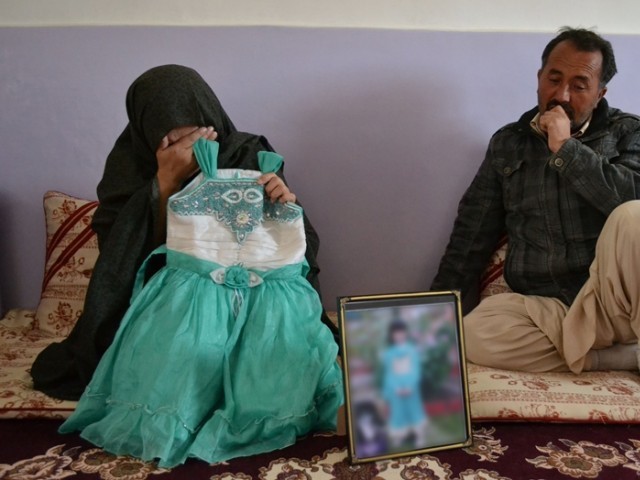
(405, 386)
(401, 387)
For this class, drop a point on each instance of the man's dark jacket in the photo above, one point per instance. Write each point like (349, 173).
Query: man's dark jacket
(551, 206)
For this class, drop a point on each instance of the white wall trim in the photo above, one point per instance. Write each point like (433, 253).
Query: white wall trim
(617, 16)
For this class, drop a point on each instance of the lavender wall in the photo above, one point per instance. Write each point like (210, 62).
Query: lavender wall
(381, 130)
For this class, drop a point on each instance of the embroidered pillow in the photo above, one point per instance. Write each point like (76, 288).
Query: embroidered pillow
(591, 397)
(72, 250)
(492, 280)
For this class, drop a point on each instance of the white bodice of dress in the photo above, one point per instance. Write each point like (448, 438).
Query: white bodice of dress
(227, 220)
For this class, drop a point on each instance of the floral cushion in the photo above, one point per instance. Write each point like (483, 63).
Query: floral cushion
(593, 397)
(72, 250)
(20, 341)
(492, 280)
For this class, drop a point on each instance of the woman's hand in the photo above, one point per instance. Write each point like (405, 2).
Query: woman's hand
(276, 189)
(176, 162)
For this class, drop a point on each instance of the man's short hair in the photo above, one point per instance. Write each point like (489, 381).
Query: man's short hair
(586, 41)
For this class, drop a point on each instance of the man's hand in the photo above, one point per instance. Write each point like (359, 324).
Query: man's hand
(557, 125)
(276, 189)
(175, 157)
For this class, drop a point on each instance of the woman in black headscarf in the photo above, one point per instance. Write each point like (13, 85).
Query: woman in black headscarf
(169, 107)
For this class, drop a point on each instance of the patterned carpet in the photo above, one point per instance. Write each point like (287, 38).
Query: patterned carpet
(31, 450)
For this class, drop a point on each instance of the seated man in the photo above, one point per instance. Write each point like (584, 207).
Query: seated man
(562, 183)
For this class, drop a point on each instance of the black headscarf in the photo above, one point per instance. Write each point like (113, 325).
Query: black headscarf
(160, 100)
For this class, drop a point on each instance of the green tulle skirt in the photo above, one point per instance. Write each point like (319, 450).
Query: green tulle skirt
(201, 369)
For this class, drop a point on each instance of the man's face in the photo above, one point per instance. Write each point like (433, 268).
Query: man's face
(571, 79)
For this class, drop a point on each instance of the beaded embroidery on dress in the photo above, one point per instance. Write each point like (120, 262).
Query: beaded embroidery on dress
(239, 204)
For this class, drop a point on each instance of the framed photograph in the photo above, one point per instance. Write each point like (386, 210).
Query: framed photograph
(405, 374)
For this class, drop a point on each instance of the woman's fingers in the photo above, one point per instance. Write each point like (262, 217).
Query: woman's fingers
(264, 179)
(190, 139)
(288, 197)
(177, 133)
(213, 135)
(275, 193)
(164, 143)
(276, 189)
(185, 137)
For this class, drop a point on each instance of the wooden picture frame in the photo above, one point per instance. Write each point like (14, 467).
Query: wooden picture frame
(405, 374)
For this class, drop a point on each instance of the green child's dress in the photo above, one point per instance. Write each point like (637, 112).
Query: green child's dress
(222, 354)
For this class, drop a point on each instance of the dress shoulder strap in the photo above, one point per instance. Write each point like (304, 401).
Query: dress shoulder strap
(206, 152)
(269, 162)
